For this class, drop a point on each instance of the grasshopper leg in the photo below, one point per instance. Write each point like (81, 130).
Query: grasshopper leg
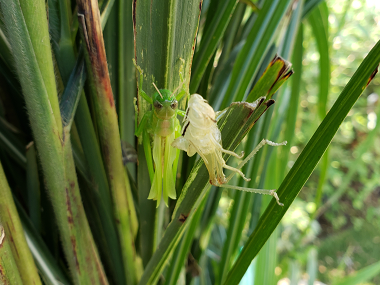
(169, 181)
(175, 164)
(156, 189)
(143, 124)
(148, 155)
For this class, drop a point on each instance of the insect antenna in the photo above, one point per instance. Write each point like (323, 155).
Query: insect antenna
(175, 91)
(157, 90)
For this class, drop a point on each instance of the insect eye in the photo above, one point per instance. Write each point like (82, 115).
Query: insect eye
(174, 105)
(157, 105)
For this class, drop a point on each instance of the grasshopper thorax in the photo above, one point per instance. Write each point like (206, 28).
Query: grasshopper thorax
(165, 104)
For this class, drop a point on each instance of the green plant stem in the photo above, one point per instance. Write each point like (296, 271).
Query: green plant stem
(13, 230)
(39, 35)
(9, 273)
(102, 97)
(81, 226)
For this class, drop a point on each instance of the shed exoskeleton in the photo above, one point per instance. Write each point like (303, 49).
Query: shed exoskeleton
(201, 135)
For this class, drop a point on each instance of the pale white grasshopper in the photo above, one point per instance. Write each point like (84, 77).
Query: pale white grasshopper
(201, 135)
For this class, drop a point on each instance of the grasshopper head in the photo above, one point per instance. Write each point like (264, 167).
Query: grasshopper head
(164, 104)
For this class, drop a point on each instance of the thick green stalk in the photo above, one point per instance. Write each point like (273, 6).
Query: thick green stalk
(50, 146)
(9, 274)
(40, 38)
(13, 230)
(80, 227)
(106, 117)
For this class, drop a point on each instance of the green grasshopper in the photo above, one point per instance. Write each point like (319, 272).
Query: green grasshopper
(162, 126)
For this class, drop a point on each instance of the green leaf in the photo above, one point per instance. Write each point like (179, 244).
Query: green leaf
(306, 163)
(291, 116)
(320, 32)
(309, 6)
(126, 75)
(256, 46)
(181, 253)
(73, 91)
(210, 41)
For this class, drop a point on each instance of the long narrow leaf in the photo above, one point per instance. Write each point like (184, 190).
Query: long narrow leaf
(210, 41)
(255, 48)
(320, 33)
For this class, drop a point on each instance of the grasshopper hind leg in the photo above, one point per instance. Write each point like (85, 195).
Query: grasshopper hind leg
(155, 190)
(169, 181)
